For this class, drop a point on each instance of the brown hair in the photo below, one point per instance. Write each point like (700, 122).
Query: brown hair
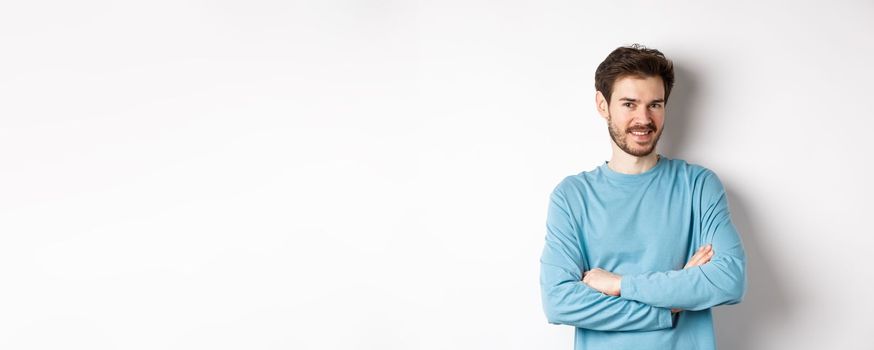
(634, 60)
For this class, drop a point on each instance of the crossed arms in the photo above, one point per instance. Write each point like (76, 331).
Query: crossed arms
(573, 294)
(611, 284)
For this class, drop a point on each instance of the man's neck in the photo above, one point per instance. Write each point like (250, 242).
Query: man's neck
(625, 163)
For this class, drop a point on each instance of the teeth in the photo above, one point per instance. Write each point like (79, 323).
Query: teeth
(640, 132)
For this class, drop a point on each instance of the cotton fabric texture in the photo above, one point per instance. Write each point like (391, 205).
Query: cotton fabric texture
(644, 227)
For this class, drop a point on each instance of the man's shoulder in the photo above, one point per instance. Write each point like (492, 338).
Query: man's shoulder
(574, 182)
(699, 177)
(692, 170)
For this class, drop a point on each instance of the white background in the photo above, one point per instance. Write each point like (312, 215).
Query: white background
(375, 174)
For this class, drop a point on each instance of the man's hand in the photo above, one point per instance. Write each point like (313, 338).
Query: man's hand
(603, 281)
(701, 257)
(610, 283)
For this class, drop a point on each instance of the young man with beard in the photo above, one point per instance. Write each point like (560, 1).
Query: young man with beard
(639, 249)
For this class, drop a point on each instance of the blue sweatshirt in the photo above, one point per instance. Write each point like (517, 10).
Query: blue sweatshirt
(644, 227)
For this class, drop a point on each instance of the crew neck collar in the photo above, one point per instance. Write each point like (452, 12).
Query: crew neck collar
(634, 177)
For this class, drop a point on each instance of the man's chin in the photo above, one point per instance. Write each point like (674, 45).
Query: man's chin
(641, 155)
(640, 152)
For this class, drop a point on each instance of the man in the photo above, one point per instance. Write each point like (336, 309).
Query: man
(639, 249)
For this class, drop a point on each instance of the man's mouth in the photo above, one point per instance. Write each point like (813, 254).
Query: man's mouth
(642, 136)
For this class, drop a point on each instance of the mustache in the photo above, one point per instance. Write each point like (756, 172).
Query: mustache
(644, 128)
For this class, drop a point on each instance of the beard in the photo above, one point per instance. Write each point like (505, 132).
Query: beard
(620, 137)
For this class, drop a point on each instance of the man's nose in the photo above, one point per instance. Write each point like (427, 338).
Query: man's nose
(643, 115)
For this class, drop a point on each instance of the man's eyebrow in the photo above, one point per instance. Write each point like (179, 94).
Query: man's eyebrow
(629, 99)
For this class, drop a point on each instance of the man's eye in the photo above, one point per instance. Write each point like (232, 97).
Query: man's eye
(627, 104)
(656, 105)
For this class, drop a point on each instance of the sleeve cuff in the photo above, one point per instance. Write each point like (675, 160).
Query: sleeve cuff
(666, 318)
(626, 288)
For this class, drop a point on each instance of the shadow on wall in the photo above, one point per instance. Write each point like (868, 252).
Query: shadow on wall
(680, 108)
(766, 301)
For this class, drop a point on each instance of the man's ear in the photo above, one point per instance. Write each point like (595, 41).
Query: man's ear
(601, 105)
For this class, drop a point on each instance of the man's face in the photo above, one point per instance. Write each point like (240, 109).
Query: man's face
(636, 113)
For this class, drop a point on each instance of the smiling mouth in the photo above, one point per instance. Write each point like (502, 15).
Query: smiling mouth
(641, 132)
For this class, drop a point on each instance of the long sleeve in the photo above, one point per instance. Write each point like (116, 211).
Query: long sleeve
(719, 282)
(566, 300)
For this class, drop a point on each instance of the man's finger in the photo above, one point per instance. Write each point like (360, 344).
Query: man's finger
(709, 256)
(701, 257)
(705, 255)
(695, 257)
